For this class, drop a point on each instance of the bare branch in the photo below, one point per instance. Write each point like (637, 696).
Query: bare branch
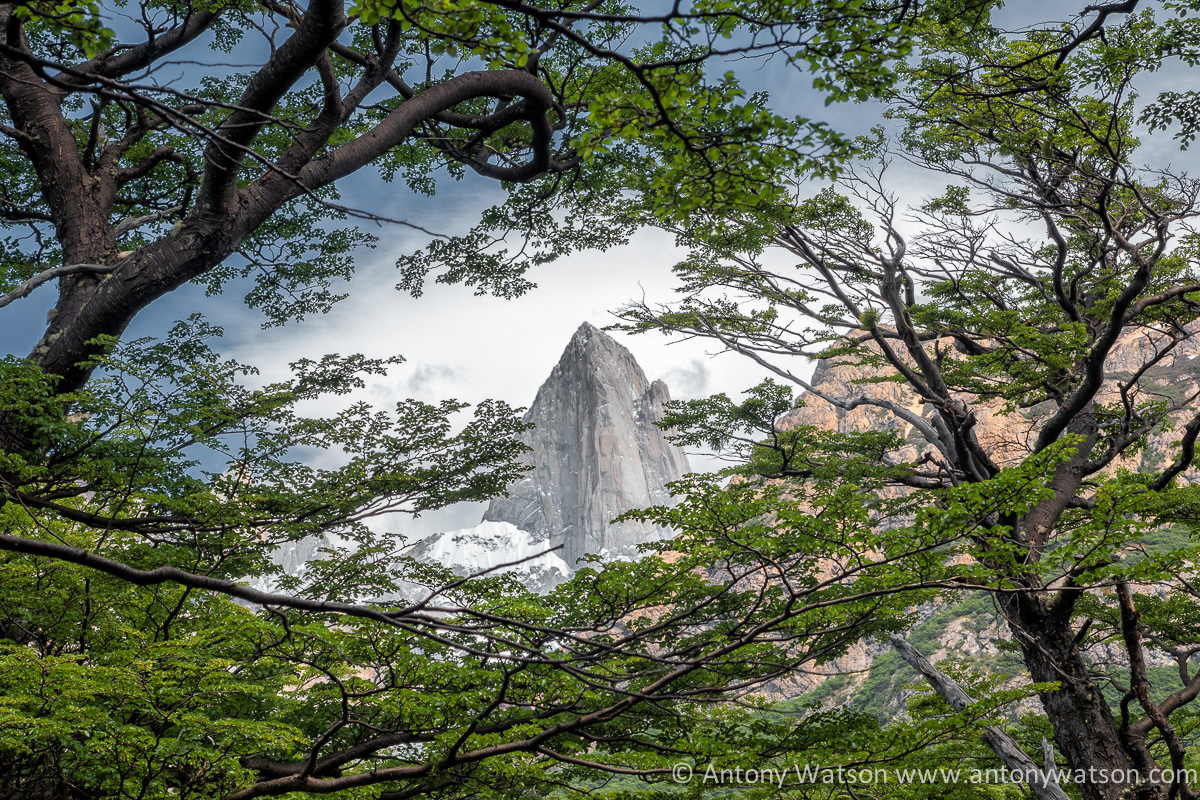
(26, 288)
(1044, 784)
(132, 223)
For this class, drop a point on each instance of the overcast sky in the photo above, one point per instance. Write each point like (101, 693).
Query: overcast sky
(467, 347)
(455, 344)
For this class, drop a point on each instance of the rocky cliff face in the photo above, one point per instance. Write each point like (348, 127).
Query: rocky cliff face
(871, 676)
(1007, 437)
(595, 452)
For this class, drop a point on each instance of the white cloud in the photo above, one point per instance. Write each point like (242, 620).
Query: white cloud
(688, 382)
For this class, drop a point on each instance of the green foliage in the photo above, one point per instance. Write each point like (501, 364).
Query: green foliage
(162, 690)
(889, 679)
(66, 25)
(664, 138)
(644, 128)
(136, 505)
(294, 260)
(978, 336)
(758, 437)
(126, 692)
(169, 432)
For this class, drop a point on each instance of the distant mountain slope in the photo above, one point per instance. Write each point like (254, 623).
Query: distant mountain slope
(1006, 437)
(489, 545)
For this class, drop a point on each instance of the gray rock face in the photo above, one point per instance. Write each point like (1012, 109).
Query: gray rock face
(596, 452)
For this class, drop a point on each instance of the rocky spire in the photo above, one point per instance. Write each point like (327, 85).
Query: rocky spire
(596, 452)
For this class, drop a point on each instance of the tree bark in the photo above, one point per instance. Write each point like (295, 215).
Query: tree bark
(1084, 728)
(78, 202)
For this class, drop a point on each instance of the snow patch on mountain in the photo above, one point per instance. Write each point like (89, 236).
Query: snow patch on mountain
(489, 545)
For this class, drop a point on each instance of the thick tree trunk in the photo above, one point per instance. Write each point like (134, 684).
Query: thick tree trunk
(1041, 622)
(1084, 729)
(156, 269)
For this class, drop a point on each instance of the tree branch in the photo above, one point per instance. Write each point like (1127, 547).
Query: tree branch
(1043, 784)
(142, 55)
(26, 288)
(322, 22)
(132, 223)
